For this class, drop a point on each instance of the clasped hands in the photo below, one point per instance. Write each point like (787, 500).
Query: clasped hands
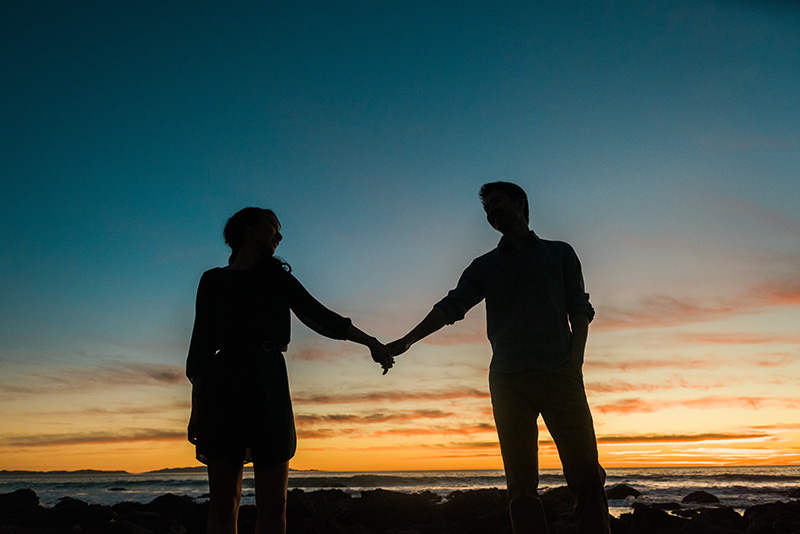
(384, 354)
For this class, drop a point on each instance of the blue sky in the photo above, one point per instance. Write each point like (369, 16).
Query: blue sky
(662, 141)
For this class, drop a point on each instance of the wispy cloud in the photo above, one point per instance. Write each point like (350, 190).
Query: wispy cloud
(461, 333)
(762, 216)
(377, 417)
(656, 311)
(468, 429)
(391, 396)
(639, 405)
(74, 379)
(682, 438)
(84, 438)
(620, 386)
(647, 364)
(738, 339)
(634, 439)
(123, 409)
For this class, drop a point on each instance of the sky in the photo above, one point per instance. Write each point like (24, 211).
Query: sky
(660, 139)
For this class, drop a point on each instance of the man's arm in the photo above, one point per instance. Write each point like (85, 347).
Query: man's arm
(432, 322)
(580, 333)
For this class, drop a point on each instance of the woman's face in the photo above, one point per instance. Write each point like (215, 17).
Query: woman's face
(267, 235)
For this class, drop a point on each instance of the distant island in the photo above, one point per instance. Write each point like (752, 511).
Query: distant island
(168, 471)
(50, 473)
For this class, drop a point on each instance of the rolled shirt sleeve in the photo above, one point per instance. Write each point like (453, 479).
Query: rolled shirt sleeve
(576, 295)
(467, 293)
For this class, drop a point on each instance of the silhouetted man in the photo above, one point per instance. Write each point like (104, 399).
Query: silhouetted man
(537, 318)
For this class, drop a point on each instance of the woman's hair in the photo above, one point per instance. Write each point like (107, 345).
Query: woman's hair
(237, 226)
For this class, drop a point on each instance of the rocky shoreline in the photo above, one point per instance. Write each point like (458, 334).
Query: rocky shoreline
(388, 512)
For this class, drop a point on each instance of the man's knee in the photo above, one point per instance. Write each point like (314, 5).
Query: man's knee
(586, 481)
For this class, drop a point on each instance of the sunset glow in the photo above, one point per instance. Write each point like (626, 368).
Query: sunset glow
(661, 141)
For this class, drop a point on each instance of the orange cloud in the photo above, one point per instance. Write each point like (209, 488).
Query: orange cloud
(95, 377)
(779, 292)
(459, 334)
(426, 431)
(680, 438)
(391, 396)
(638, 405)
(82, 438)
(619, 386)
(738, 339)
(314, 354)
(378, 417)
(643, 365)
(658, 311)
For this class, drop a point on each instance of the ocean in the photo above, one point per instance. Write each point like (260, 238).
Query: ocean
(736, 487)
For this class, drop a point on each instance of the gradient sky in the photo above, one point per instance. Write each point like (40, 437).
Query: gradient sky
(660, 139)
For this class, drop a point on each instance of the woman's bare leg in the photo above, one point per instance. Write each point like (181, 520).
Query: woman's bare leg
(272, 482)
(225, 488)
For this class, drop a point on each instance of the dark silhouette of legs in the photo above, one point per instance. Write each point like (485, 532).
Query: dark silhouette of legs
(515, 418)
(558, 395)
(225, 489)
(271, 484)
(569, 422)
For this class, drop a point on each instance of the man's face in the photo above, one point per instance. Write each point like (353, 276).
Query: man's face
(503, 212)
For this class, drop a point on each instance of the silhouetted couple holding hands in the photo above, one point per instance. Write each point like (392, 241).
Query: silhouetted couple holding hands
(537, 315)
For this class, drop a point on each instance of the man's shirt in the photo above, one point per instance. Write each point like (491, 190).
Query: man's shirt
(530, 293)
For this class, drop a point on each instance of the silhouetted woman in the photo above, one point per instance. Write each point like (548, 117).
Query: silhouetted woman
(241, 409)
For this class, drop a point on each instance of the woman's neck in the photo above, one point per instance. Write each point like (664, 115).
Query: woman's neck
(246, 258)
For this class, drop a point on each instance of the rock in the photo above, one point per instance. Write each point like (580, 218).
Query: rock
(382, 509)
(702, 497)
(715, 521)
(316, 511)
(621, 491)
(72, 515)
(460, 506)
(18, 504)
(666, 506)
(773, 518)
(557, 502)
(648, 520)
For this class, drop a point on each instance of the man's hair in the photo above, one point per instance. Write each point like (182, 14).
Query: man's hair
(514, 191)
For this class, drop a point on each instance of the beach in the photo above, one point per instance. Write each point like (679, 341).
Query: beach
(647, 500)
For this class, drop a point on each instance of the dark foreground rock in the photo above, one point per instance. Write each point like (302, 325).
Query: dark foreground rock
(380, 512)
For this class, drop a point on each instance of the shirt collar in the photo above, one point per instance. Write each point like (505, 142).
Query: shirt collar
(532, 240)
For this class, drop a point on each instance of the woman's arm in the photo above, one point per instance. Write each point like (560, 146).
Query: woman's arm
(330, 324)
(379, 351)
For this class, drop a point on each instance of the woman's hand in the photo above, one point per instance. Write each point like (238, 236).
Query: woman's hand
(194, 418)
(380, 354)
(191, 430)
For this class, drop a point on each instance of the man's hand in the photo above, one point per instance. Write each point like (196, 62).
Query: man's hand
(398, 347)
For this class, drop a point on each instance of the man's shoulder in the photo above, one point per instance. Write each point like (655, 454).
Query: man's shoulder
(486, 257)
(555, 245)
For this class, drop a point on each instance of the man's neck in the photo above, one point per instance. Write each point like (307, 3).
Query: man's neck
(518, 236)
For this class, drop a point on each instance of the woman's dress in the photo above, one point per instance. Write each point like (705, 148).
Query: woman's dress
(242, 326)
